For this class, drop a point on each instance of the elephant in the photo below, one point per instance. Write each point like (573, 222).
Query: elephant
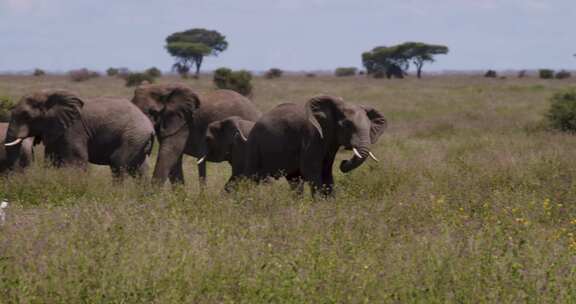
(15, 157)
(75, 132)
(300, 142)
(226, 141)
(181, 117)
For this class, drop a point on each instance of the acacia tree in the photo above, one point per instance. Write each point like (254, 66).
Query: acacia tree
(389, 61)
(395, 60)
(420, 53)
(190, 47)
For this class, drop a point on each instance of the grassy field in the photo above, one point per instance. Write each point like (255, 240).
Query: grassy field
(473, 201)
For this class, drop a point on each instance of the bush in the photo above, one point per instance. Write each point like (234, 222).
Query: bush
(546, 73)
(274, 73)
(239, 81)
(310, 75)
(343, 72)
(6, 104)
(39, 72)
(82, 75)
(491, 74)
(136, 79)
(154, 72)
(562, 113)
(563, 75)
(112, 72)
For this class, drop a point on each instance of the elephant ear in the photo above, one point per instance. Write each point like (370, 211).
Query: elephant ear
(320, 112)
(183, 101)
(378, 123)
(62, 110)
(179, 107)
(232, 125)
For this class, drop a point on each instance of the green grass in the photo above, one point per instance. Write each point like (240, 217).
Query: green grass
(473, 201)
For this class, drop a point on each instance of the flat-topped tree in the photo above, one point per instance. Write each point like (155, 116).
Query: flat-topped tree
(395, 60)
(420, 53)
(389, 61)
(190, 47)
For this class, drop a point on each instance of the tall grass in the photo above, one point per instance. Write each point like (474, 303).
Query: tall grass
(472, 201)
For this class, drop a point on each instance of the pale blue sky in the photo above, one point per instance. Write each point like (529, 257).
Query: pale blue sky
(289, 34)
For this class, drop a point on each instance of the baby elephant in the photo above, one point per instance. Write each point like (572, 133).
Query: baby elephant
(17, 156)
(226, 141)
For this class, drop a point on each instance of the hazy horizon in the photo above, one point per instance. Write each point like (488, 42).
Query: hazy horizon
(295, 35)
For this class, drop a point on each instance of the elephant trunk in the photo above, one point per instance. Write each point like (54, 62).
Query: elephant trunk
(13, 145)
(15, 135)
(169, 158)
(361, 153)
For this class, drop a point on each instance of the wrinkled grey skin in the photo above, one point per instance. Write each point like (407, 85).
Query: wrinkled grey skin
(226, 141)
(75, 132)
(180, 117)
(16, 157)
(300, 142)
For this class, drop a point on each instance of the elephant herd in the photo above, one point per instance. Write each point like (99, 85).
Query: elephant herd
(295, 141)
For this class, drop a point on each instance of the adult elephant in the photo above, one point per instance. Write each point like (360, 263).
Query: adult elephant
(15, 157)
(300, 142)
(75, 132)
(180, 117)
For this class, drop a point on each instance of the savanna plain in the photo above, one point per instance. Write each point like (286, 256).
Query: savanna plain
(473, 201)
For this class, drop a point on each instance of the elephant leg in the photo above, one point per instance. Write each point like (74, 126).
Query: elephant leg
(231, 184)
(311, 164)
(125, 161)
(140, 170)
(313, 175)
(202, 173)
(296, 183)
(72, 155)
(327, 176)
(176, 173)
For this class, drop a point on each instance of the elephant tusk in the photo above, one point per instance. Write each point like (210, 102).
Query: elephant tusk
(17, 141)
(201, 160)
(357, 153)
(373, 157)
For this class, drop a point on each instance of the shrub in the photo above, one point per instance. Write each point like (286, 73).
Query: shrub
(546, 73)
(82, 75)
(136, 79)
(154, 72)
(6, 104)
(239, 81)
(274, 73)
(562, 113)
(343, 72)
(563, 75)
(310, 75)
(491, 74)
(112, 72)
(39, 72)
